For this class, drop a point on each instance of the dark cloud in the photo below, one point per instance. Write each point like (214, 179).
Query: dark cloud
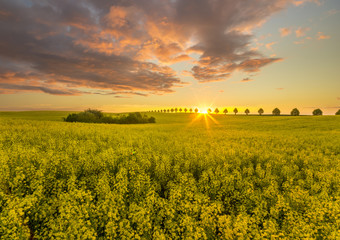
(247, 80)
(14, 87)
(126, 46)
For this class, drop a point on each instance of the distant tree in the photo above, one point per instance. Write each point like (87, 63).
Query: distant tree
(161, 110)
(190, 110)
(95, 112)
(180, 110)
(172, 110)
(176, 109)
(185, 110)
(196, 110)
(276, 112)
(317, 112)
(225, 111)
(209, 110)
(338, 112)
(235, 111)
(164, 110)
(216, 111)
(247, 111)
(260, 111)
(295, 112)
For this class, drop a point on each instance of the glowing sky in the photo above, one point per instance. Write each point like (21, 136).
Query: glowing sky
(134, 55)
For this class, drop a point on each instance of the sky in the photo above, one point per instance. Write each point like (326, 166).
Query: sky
(139, 55)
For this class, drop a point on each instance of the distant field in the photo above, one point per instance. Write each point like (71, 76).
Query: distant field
(231, 177)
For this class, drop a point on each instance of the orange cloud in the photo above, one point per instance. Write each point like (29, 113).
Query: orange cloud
(269, 45)
(300, 32)
(285, 31)
(322, 36)
(300, 2)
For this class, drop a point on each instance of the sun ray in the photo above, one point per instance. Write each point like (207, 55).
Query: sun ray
(213, 119)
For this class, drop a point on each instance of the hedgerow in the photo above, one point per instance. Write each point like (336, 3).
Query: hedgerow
(96, 116)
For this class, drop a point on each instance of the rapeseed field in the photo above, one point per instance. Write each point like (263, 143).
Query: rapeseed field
(188, 176)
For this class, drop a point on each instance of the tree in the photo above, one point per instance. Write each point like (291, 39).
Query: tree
(196, 110)
(276, 112)
(209, 110)
(95, 112)
(185, 110)
(176, 109)
(235, 110)
(172, 110)
(190, 110)
(260, 111)
(164, 110)
(338, 112)
(295, 112)
(168, 110)
(180, 110)
(247, 111)
(216, 110)
(317, 112)
(225, 111)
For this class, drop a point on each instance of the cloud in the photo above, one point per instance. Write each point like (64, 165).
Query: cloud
(332, 12)
(301, 31)
(15, 88)
(125, 47)
(269, 45)
(247, 80)
(322, 36)
(285, 31)
(279, 88)
(300, 2)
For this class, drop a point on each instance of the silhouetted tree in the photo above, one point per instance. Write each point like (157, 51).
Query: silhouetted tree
(180, 110)
(164, 110)
(338, 112)
(216, 110)
(276, 112)
(260, 111)
(317, 112)
(196, 110)
(185, 110)
(235, 111)
(247, 111)
(176, 109)
(295, 112)
(190, 110)
(225, 111)
(209, 110)
(172, 110)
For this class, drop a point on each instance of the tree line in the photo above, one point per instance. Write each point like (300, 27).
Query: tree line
(275, 112)
(96, 116)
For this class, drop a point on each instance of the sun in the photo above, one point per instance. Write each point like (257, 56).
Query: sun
(204, 111)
